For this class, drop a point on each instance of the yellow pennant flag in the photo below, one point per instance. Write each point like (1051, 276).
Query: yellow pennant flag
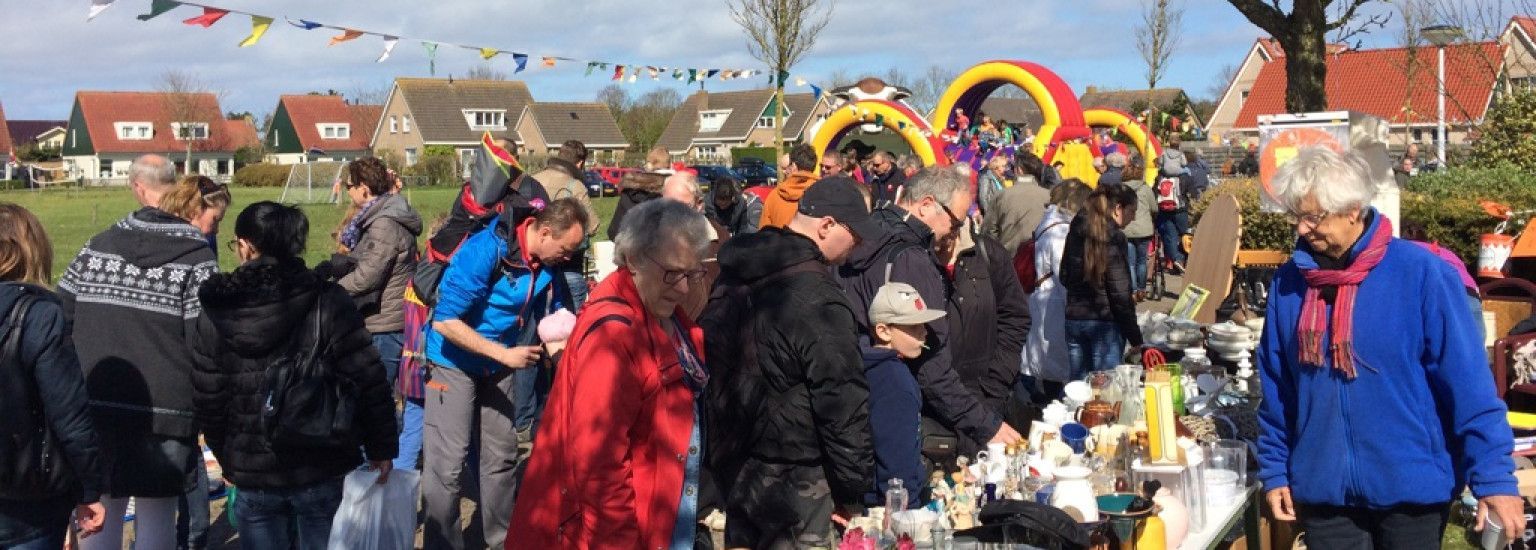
(487, 53)
(346, 34)
(259, 27)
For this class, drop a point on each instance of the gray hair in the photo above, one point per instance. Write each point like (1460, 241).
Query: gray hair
(655, 224)
(1115, 159)
(152, 170)
(1339, 182)
(684, 182)
(939, 182)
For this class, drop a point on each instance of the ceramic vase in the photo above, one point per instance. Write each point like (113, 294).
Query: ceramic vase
(1074, 494)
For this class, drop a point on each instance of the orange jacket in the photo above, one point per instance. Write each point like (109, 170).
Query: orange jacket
(779, 208)
(608, 468)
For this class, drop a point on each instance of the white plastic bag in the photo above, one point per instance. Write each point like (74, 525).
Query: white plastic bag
(376, 517)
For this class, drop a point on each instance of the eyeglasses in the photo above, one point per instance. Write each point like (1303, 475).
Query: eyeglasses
(233, 244)
(829, 167)
(955, 223)
(673, 276)
(1309, 220)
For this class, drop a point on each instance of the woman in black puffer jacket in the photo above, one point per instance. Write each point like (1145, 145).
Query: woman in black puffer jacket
(269, 308)
(1101, 314)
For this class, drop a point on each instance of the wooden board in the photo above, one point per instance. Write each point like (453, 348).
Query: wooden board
(1213, 254)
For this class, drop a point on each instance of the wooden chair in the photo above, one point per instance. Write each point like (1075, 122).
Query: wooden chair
(1510, 300)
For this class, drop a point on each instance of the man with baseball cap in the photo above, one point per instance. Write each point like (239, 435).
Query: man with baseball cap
(788, 435)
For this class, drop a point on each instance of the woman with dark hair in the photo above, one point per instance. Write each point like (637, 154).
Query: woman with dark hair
(1101, 313)
(739, 212)
(269, 312)
(42, 391)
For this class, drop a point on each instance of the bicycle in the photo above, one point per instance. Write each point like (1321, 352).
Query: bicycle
(1157, 283)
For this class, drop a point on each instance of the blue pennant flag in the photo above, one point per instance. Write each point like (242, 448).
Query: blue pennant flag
(815, 92)
(303, 24)
(522, 62)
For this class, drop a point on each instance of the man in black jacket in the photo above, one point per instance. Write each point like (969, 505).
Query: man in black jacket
(930, 209)
(788, 405)
(886, 179)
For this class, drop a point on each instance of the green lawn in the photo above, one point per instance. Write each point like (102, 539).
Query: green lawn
(71, 216)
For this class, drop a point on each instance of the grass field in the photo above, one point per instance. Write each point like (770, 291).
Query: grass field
(72, 216)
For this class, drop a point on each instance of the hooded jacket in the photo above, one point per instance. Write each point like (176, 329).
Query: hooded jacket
(895, 423)
(906, 247)
(637, 187)
(131, 299)
(805, 401)
(1015, 212)
(1421, 418)
(1146, 204)
(561, 180)
(54, 372)
(386, 258)
(263, 311)
(743, 215)
(780, 206)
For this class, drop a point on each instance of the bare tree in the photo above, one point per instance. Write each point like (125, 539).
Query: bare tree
(363, 93)
(1415, 15)
(1301, 34)
(1485, 21)
(616, 98)
(1157, 36)
(485, 71)
(928, 88)
(779, 33)
(647, 117)
(1219, 83)
(193, 109)
(842, 76)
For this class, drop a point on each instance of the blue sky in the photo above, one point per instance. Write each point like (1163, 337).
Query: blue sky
(50, 51)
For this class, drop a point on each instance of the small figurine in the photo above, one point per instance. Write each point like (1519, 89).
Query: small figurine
(962, 514)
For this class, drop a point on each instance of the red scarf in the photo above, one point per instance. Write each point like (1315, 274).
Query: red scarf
(1313, 321)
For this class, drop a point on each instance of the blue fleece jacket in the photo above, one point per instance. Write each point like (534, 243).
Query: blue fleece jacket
(505, 313)
(1419, 421)
(895, 417)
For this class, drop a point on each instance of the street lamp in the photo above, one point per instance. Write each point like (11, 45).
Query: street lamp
(1440, 36)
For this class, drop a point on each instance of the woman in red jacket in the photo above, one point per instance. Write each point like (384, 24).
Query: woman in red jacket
(617, 464)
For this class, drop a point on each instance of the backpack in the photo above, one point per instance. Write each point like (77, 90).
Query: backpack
(305, 404)
(1168, 199)
(32, 466)
(1024, 262)
(466, 218)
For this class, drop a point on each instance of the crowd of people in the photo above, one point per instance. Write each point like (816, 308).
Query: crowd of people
(776, 357)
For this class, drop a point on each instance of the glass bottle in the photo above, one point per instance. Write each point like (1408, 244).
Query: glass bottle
(895, 501)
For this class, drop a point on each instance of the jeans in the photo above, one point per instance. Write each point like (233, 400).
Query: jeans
(577, 281)
(268, 516)
(1138, 257)
(1093, 346)
(1172, 226)
(1403, 527)
(410, 435)
(192, 513)
(390, 345)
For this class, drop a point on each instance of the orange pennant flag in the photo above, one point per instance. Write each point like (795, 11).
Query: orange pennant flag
(346, 34)
(549, 62)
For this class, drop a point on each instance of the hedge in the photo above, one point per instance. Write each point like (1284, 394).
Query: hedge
(1261, 230)
(261, 175)
(8, 185)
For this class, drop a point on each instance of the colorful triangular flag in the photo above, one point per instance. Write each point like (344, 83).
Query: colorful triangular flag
(98, 6)
(304, 24)
(633, 77)
(431, 48)
(693, 74)
(389, 46)
(677, 74)
(158, 7)
(549, 62)
(259, 26)
(522, 62)
(618, 72)
(799, 81)
(653, 72)
(208, 18)
(590, 65)
(346, 35)
(711, 73)
(487, 53)
(815, 92)
(879, 119)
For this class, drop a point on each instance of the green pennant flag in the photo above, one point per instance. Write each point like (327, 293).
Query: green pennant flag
(431, 57)
(879, 119)
(693, 74)
(159, 7)
(783, 78)
(590, 65)
(900, 125)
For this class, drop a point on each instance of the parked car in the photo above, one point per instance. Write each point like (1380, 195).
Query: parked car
(708, 173)
(614, 174)
(597, 186)
(757, 174)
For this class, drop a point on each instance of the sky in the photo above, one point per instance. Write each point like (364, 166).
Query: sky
(50, 51)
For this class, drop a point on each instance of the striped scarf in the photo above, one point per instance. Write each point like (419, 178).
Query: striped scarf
(1314, 311)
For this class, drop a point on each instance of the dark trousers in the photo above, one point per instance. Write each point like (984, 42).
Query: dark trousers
(1400, 528)
(268, 516)
(779, 506)
(192, 513)
(1172, 226)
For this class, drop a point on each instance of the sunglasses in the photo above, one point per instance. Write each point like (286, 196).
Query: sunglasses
(826, 167)
(955, 223)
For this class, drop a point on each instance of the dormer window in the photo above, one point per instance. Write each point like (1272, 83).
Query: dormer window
(713, 120)
(189, 130)
(134, 131)
(334, 131)
(486, 119)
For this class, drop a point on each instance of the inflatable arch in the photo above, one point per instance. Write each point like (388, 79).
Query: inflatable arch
(1145, 142)
(895, 116)
(1063, 116)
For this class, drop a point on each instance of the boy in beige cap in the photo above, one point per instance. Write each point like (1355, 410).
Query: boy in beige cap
(899, 318)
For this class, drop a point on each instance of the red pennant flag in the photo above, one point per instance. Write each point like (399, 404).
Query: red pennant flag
(618, 72)
(208, 18)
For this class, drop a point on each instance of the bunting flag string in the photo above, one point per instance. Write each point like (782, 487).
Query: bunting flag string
(260, 24)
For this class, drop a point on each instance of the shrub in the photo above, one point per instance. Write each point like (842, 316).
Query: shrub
(1509, 132)
(8, 185)
(435, 170)
(1261, 230)
(261, 175)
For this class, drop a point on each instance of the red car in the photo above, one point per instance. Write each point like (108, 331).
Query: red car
(613, 175)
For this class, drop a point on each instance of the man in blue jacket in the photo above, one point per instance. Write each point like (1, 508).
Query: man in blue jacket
(500, 283)
(1378, 402)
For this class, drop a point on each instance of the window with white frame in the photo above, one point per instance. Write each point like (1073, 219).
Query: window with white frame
(405, 124)
(394, 125)
(765, 122)
(189, 130)
(410, 156)
(334, 131)
(134, 130)
(707, 151)
(712, 120)
(486, 119)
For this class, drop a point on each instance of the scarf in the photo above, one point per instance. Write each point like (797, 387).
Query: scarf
(354, 229)
(1314, 309)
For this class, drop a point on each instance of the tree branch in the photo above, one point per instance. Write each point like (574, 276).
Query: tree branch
(1266, 16)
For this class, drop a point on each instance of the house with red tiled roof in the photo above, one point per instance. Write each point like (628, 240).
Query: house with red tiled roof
(107, 130)
(1395, 84)
(326, 124)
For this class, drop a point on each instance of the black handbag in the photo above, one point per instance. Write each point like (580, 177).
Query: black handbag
(306, 405)
(31, 463)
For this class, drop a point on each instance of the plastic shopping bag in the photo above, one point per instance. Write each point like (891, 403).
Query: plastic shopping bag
(376, 517)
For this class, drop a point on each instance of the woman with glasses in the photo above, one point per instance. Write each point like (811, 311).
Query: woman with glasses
(1101, 312)
(617, 464)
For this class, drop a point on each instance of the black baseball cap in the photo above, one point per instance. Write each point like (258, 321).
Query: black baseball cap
(838, 197)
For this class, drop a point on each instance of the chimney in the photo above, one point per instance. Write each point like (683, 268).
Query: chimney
(1092, 89)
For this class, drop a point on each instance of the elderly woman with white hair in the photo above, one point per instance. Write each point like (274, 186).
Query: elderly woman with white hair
(1378, 404)
(617, 464)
